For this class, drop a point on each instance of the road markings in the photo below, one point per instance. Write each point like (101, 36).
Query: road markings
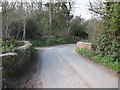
(59, 58)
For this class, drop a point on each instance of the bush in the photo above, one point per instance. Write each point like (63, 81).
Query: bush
(108, 61)
(108, 43)
(79, 32)
(77, 28)
(9, 44)
(108, 46)
(55, 40)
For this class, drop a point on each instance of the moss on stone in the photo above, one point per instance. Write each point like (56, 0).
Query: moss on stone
(12, 64)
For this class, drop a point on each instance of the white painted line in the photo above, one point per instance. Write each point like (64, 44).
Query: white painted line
(59, 58)
(49, 48)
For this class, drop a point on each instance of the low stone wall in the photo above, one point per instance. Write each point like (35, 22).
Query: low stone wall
(13, 62)
(84, 45)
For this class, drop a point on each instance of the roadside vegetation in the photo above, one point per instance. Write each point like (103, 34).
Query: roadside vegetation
(10, 44)
(110, 62)
(53, 41)
(104, 34)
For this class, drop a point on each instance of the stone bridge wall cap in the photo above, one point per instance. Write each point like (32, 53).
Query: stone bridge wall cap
(27, 45)
(84, 43)
(6, 54)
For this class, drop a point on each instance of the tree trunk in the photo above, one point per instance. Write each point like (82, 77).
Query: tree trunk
(24, 28)
(50, 17)
(6, 30)
(24, 31)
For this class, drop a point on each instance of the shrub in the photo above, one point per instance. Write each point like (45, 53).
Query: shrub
(85, 52)
(57, 40)
(9, 44)
(76, 31)
(108, 61)
(108, 46)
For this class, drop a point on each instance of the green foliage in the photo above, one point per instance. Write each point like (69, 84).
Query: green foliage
(78, 27)
(53, 41)
(110, 62)
(41, 20)
(57, 40)
(8, 44)
(112, 17)
(61, 16)
(38, 42)
(5, 47)
(34, 22)
(108, 42)
(31, 29)
(95, 29)
(85, 52)
(76, 31)
(38, 25)
(107, 46)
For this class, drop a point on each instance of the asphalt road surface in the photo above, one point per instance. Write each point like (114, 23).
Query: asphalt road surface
(61, 67)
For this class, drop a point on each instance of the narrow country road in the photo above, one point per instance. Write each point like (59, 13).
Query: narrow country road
(62, 67)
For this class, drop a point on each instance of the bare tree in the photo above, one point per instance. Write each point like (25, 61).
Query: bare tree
(50, 17)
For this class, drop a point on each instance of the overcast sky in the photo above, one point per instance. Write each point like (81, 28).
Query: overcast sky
(80, 8)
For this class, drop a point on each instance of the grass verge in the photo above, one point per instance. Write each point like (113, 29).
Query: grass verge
(110, 62)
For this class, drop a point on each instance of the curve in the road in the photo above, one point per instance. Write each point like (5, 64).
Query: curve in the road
(62, 67)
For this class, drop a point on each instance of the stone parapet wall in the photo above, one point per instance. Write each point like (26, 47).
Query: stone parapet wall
(84, 45)
(13, 62)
